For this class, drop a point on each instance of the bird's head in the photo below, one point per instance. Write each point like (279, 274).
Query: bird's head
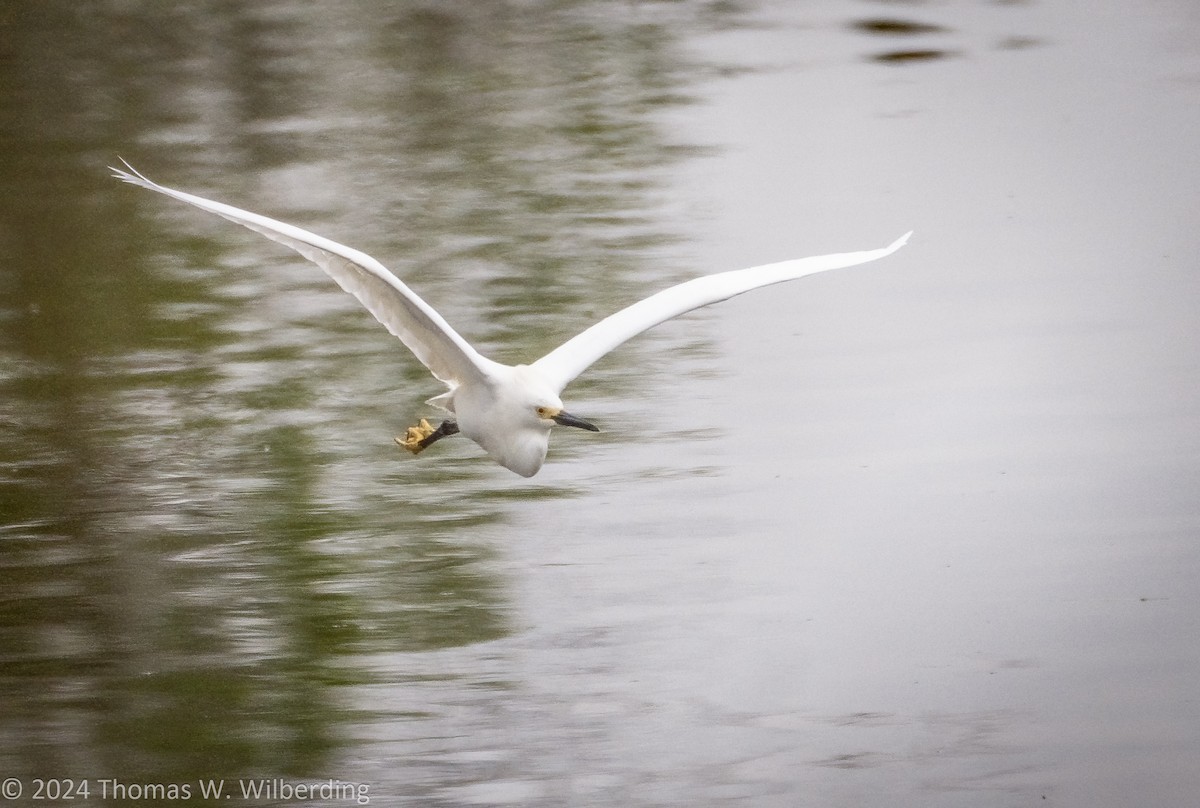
(539, 404)
(519, 439)
(553, 413)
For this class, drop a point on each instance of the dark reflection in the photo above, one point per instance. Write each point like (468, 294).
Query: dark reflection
(1019, 43)
(902, 28)
(202, 520)
(908, 56)
(890, 26)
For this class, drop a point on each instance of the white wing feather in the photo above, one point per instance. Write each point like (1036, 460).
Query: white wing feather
(431, 339)
(574, 356)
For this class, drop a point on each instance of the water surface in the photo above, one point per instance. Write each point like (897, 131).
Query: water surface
(921, 533)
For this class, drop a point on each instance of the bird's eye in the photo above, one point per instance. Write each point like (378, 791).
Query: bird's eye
(542, 411)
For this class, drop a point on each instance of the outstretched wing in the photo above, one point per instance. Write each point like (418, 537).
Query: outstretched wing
(439, 347)
(575, 355)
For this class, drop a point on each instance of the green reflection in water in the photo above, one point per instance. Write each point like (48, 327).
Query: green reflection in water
(203, 524)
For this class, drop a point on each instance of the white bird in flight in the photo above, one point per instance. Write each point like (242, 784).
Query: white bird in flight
(508, 410)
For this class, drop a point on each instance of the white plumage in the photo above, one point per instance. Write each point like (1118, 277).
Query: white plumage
(507, 410)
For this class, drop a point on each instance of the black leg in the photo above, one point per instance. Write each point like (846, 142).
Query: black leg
(423, 435)
(447, 429)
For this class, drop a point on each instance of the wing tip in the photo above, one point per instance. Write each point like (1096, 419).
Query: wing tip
(900, 242)
(132, 175)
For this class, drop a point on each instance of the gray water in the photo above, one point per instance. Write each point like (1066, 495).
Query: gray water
(921, 533)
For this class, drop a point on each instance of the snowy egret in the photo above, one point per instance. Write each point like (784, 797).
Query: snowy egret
(508, 410)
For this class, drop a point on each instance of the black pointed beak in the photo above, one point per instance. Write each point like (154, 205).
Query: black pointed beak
(566, 419)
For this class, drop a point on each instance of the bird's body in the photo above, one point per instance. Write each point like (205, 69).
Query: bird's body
(508, 410)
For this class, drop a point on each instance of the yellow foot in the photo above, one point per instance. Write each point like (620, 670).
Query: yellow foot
(413, 437)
